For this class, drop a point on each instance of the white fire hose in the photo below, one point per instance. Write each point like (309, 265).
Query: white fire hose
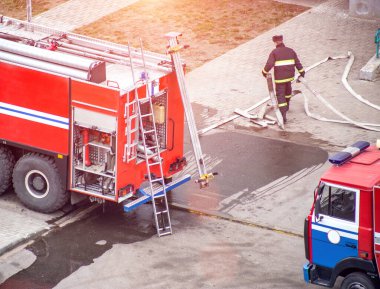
(367, 126)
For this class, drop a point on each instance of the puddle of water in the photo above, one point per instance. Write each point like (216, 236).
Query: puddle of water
(246, 163)
(65, 250)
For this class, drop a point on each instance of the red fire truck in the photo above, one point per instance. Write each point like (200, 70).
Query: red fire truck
(342, 231)
(82, 115)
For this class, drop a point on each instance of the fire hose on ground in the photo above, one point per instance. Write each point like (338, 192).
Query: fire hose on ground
(346, 120)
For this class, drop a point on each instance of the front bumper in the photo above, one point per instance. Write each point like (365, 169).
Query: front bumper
(306, 272)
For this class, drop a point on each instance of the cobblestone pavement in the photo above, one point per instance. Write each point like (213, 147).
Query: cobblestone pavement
(79, 13)
(234, 79)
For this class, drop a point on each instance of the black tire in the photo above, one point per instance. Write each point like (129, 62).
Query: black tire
(38, 185)
(7, 162)
(357, 281)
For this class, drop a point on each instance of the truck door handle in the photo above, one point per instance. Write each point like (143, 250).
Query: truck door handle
(350, 245)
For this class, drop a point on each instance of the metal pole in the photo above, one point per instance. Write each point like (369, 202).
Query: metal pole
(29, 10)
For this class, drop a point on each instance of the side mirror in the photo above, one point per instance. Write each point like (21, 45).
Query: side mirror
(317, 204)
(317, 208)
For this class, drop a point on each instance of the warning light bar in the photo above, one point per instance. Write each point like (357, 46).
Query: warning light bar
(348, 153)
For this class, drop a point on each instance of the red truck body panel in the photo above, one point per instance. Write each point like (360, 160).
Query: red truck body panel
(34, 108)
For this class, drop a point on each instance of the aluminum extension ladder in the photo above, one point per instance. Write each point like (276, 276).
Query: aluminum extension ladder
(173, 50)
(157, 188)
(132, 129)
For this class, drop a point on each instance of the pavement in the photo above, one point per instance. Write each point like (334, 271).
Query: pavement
(76, 13)
(123, 252)
(232, 81)
(19, 224)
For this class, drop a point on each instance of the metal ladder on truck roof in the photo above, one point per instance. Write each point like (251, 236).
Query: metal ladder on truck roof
(173, 50)
(157, 188)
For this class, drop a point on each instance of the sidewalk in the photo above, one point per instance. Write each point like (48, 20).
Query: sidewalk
(18, 224)
(77, 13)
(234, 79)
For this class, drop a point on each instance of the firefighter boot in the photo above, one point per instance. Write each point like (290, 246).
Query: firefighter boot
(283, 111)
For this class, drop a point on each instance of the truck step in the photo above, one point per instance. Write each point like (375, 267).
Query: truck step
(157, 192)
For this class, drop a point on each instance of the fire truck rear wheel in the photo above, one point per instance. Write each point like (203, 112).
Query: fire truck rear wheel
(357, 281)
(7, 162)
(37, 183)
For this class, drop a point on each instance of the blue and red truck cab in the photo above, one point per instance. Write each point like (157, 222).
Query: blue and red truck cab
(342, 230)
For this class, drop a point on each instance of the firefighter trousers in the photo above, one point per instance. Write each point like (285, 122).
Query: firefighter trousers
(284, 93)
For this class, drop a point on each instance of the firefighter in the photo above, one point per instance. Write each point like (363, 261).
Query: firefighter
(283, 59)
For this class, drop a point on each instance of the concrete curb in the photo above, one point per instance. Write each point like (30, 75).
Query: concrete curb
(60, 222)
(21, 241)
(371, 69)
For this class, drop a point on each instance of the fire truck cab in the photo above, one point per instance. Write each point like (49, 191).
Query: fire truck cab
(342, 230)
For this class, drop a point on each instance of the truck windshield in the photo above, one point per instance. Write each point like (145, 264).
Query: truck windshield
(338, 203)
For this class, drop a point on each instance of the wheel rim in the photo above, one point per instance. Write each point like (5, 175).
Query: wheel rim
(356, 285)
(37, 184)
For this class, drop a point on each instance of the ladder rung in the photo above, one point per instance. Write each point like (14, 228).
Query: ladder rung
(132, 116)
(134, 130)
(146, 115)
(149, 131)
(154, 164)
(162, 212)
(164, 234)
(152, 148)
(164, 228)
(152, 156)
(144, 100)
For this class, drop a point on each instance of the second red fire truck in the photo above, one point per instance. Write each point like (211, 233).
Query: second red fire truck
(342, 231)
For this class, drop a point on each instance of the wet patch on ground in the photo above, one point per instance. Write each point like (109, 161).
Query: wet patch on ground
(305, 138)
(245, 163)
(65, 250)
(202, 113)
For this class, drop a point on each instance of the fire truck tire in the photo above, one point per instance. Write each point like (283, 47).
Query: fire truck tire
(7, 162)
(37, 183)
(357, 281)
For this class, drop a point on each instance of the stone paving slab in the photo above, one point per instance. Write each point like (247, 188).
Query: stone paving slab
(76, 13)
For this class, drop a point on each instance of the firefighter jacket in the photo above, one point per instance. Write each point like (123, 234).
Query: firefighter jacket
(283, 59)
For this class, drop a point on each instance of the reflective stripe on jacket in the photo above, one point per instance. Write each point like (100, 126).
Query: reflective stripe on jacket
(283, 59)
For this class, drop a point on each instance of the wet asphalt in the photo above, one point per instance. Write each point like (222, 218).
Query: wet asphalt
(65, 250)
(243, 162)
